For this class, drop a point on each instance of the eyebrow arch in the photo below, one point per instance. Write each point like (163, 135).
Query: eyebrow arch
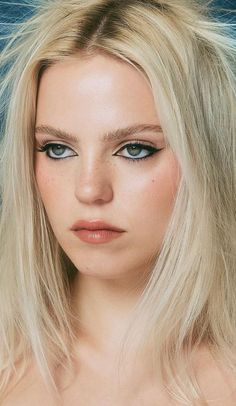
(110, 136)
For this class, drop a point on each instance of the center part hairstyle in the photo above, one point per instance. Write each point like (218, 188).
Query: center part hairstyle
(188, 58)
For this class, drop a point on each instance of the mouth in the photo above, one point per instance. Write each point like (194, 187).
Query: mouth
(96, 231)
(97, 236)
(94, 225)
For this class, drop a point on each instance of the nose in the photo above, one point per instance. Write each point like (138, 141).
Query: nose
(93, 183)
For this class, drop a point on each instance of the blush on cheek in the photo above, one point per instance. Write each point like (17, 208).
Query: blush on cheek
(161, 195)
(46, 186)
(171, 175)
(162, 190)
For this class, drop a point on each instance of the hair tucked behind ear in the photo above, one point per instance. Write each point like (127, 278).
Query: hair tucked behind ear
(188, 58)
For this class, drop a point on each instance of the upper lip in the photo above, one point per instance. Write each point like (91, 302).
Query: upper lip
(94, 225)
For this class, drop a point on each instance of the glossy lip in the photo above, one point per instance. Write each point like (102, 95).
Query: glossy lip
(97, 236)
(94, 225)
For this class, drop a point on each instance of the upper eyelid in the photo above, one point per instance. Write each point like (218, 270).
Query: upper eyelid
(144, 145)
(46, 142)
(127, 143)
(121, 147)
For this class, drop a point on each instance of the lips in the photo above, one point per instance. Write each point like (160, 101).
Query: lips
(96, 231)
(94, 225)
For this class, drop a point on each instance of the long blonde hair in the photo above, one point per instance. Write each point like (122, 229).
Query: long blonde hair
(188, 57)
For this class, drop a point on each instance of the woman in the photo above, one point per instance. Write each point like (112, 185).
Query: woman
(118, 206)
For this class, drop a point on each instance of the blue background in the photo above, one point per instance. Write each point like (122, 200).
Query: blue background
(13, 11)
(10, 11)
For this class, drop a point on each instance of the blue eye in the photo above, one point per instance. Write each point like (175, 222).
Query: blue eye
(56, 151)
(134, 151)
(137, 151)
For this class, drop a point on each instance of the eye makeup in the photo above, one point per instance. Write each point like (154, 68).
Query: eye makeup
(135, 151)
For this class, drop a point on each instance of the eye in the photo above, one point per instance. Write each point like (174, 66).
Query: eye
(56, 151)
(136, 151)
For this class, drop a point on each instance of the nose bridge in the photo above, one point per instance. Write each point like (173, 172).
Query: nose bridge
(93, 179)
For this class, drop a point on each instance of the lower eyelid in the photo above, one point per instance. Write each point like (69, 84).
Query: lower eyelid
(47, 146)
(151, 150)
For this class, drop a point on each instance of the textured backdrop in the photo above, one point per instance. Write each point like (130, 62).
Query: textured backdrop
(9, 9)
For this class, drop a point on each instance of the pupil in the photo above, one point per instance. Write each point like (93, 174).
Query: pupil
(134, 150)
(57, 149)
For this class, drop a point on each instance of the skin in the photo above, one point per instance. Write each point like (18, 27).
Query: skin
(88, 97)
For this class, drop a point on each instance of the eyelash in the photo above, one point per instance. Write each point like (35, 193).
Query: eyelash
(152, 150)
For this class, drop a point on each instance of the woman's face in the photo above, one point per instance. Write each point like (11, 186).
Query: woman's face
(99, 174)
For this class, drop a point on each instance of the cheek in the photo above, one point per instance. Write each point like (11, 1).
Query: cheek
(158, 188)
(164, 185)
(156, 197)
(52, 189)
(46, 184)
(148, 196)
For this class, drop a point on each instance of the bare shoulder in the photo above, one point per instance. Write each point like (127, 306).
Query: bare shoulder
(29, 390)
(217, 381)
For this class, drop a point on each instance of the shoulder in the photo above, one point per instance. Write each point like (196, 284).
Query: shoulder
(29, 390)
(216, 380)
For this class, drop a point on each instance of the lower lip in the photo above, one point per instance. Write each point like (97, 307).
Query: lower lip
(97, 236)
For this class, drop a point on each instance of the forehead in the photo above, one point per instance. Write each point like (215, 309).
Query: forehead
(98, 73)
(95, 90)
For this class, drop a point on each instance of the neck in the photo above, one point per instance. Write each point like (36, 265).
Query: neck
(103, 308)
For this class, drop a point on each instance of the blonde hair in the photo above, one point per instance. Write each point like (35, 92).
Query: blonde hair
(188, 57)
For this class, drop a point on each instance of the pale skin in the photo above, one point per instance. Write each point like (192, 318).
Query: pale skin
(89, 97)
(101, 95)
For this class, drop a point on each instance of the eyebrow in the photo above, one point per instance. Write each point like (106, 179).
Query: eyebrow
(110, 136)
